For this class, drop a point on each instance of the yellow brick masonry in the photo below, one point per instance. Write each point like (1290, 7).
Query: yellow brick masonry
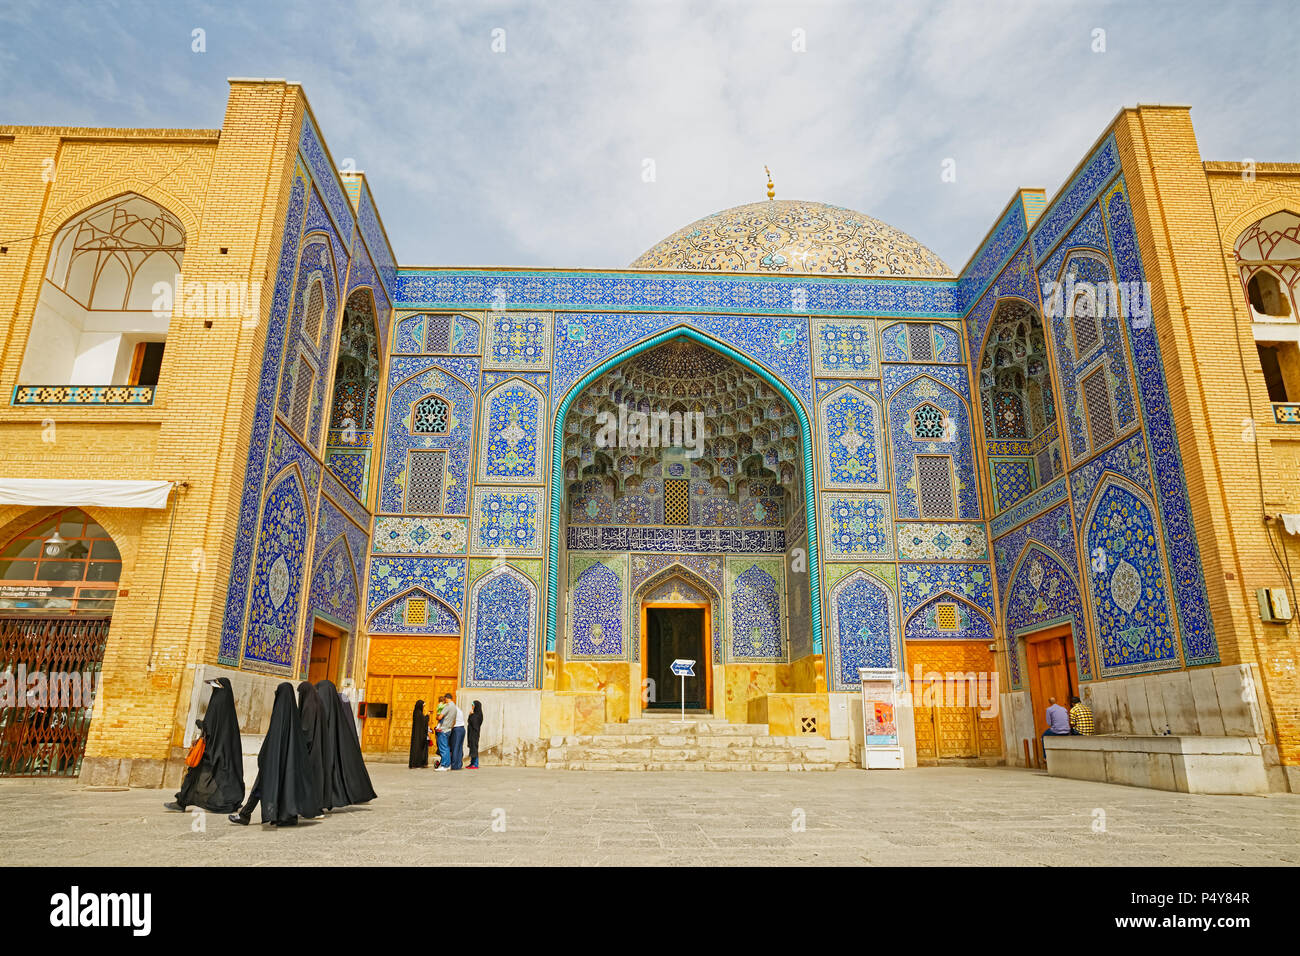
(1188, 216)
(229, 189)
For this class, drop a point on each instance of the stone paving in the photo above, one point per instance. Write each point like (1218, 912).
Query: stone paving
(507, 815)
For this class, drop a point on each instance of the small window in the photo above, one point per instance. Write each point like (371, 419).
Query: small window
(1096, 397)
(1280, 362)
(677, 501)
(1083, 316)
(315, 309)
(429, 416)
(1267, 297)
(934, 486)
(300, 400)
(417, 611)
(437, 333)
(919, 342)
(424, 482)
(927, 423)
(945, 617)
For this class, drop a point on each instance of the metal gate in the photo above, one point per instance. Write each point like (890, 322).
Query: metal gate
(50, 669)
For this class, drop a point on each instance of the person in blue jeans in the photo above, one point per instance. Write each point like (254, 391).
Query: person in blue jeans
(457, 737)
(446, 720)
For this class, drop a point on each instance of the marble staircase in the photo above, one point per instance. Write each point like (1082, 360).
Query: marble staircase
(701, 743)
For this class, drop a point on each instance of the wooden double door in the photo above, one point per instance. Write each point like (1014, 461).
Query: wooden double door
(954, 688)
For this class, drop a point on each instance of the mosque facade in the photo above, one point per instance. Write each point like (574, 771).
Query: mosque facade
(788, 442)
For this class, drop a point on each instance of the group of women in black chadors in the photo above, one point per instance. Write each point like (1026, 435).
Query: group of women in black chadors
(310, 761)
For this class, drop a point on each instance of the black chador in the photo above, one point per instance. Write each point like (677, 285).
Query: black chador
(419, 737)
(217, 783)
(346, 779)
(283, 784)
(313, 729)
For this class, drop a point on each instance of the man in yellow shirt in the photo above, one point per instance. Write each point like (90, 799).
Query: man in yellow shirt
(1080, 718)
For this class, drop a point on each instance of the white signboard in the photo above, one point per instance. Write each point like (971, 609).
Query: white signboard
(881, 749)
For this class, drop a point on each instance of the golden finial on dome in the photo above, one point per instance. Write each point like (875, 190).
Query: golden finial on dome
(771, 190)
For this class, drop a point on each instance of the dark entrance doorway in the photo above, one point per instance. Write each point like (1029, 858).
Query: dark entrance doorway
(672, 633)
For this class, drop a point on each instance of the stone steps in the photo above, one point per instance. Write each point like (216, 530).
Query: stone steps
(705, 744)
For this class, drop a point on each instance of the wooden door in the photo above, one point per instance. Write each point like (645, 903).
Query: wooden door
(691, 628)
(953, 701)
(1049, 656)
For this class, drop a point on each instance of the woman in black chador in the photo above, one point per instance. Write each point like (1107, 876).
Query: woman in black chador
(346, 779)
(283, 784)
(217, 783)
(419, 737)
(313, 729)
(474, 723)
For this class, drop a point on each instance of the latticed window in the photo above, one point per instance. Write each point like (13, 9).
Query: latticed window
(437, 333)
(429, 416)
(1096, 397)
(300, 401)
(919, 342)
(677, 501)
(315, 310)
(417, 610)
(934, 486)
(927, 422)
(424, 482)
(1087, 334)
(945, 617)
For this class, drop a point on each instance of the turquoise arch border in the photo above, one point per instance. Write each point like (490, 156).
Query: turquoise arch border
(557, 468)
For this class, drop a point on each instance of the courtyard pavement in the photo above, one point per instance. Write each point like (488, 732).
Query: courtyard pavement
(508, 815)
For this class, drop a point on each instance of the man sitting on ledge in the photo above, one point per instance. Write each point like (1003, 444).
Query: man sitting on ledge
(1058, 722)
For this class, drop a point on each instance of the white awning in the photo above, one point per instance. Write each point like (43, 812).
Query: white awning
(66, 492)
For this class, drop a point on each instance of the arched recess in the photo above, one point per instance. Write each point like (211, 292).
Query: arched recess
(1043, 593)
(1130, 598)
(430, 457)
(1267, 253)
(678, 571)
(851, 432)
(558, 480)
(278, 572)
(933, 477)
(966, 621)
(510, 433)
(99, 320)
(597, 616)
(355, 398)
(502, 612)
(402, 614)
(58, 582)
(864, 628)
(1021, 438)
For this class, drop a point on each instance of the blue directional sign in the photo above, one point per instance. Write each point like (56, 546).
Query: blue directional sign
(683, 668)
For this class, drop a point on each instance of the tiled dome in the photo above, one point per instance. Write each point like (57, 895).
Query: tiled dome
(793, 236)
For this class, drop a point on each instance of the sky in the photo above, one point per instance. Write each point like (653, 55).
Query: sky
(578, 134)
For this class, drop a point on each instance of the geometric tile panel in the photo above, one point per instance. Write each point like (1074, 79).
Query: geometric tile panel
(509, 522)
(857, 526)
(911, 430)
(942, 541)
(352, 468)
(845, 347)
(443, 578)
(1043, 594)
(1013, 479)
(931, 621)
(519, 340)
(396, 534)
(277, 577)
